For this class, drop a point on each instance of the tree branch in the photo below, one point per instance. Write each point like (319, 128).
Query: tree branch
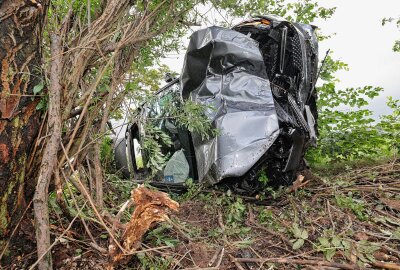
(49, 161)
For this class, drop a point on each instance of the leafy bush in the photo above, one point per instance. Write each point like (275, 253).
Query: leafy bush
(184, 114)
(107, 154)
(347, 131)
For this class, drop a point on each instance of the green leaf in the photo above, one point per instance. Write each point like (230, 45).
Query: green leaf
(140, 255)
(298, 244)
(41, 105)
(396, 234)
(171, 242)
(329, 253)
(370, 257)
(296, 231)
(346, 244)
(324, 242)
(336, 241)
(37, 88)
(304, 234)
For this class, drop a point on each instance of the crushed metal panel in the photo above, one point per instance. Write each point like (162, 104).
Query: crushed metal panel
(225, 69)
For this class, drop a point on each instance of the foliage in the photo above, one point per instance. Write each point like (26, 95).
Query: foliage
(266, 216)
(357, 206)
(330, 243)
(183, 114)
(365, 251)
(107, 154)
(396, 45)
(306, 11)
(347, 130)
(192, 189)
(299, 235)
(263, 178)
(158, 236)
(153, 142)
(234, 213)
(153, 262)
(192, 116)
(389, 126)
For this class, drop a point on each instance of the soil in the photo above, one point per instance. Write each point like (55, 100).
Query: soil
(213, 230)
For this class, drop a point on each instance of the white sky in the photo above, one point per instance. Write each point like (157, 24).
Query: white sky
(361, 42)
(365, 45)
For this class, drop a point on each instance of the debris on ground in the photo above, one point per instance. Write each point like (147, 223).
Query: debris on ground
(349, 220)
(151, 208)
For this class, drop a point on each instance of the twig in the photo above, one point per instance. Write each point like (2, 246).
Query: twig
(177, 263)
(222, 226)
(117, 219)
(57, 239)
(391, 250)
(220, 258)
(298, 261)
(178, 228)
(94, 243)
(89, 198)
(385, 265)
(146, 250)
(236, 262)
(215, 256)
(328, 206)
(200, 268)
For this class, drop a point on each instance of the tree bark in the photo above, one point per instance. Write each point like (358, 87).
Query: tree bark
(21, 25)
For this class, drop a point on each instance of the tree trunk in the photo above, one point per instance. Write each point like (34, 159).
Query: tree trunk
(21, 24)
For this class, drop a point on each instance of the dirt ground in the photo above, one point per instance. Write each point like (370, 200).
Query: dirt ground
(350, 220)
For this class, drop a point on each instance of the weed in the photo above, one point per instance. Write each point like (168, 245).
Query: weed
(266, 216)
(234, 212)
(330, 243)
(357, 206)
(300, 235)
(159, 236)
(396, 234)
(365, 251)
(192, 189)
(154, 263)
(107, 154)
(262, 178)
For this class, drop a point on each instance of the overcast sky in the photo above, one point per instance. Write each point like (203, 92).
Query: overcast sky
(360, 41)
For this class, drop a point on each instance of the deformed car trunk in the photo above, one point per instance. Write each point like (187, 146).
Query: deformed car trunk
(258, 80)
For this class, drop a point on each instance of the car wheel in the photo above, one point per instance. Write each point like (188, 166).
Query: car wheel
(121, 159)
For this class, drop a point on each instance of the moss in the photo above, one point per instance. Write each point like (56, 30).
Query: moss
(2, 246)
(15, 131)
(3, 215)
(16, 122)
(3, 210)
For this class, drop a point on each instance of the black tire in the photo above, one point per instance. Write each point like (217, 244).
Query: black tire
(121, 160)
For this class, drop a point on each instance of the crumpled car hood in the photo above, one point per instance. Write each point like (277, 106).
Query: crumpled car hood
(224, 69)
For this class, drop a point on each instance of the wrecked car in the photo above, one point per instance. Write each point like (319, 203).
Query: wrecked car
(259, 79)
